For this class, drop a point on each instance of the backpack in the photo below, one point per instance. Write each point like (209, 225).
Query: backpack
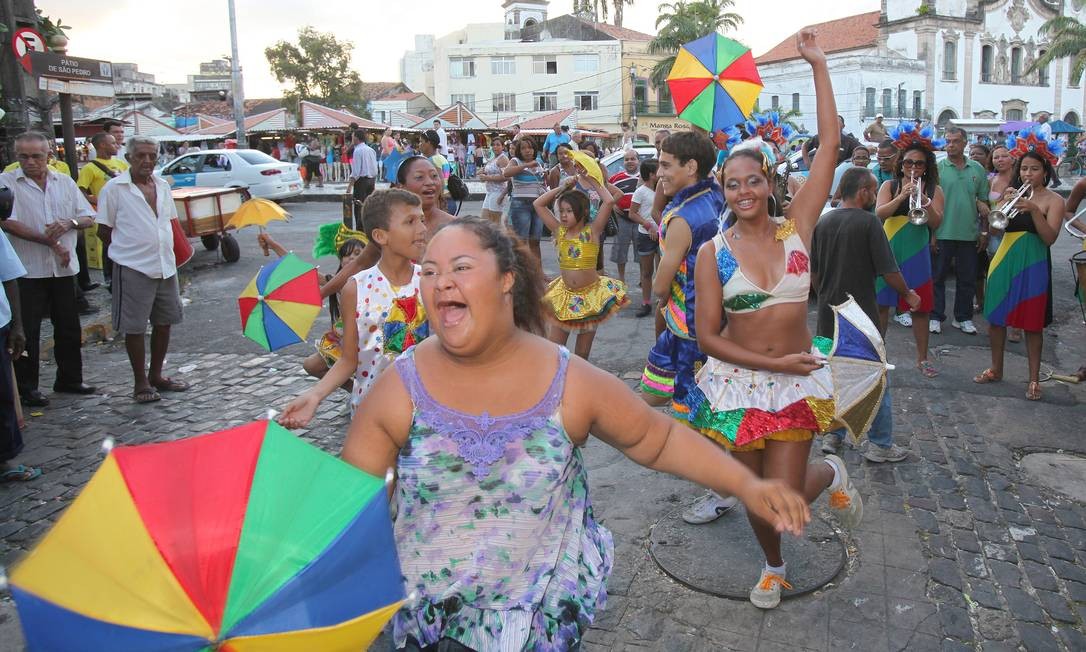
(458, 190)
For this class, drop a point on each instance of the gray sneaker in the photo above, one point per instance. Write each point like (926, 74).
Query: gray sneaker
(880, 454)
(709, 508)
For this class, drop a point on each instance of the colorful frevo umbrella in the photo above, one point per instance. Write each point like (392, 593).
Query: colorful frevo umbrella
(858, 364)
(280, 304)
(241, 540)
(714, 82)
(258, 212)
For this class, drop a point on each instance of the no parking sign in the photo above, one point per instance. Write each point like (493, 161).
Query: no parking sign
(23, 42)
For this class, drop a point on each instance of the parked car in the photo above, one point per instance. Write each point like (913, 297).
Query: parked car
(260, 174)
(613, 162)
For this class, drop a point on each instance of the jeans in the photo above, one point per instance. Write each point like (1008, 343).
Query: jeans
(882, 428)
(526, 223)
(452, 207)
(963, 253)
(57, 296)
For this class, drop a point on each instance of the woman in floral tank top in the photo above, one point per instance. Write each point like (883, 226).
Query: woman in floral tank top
(483, 423)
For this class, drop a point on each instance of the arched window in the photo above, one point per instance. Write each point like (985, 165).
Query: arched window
(887, 99)
(1071, 118)
(946, 116)
(1016, 65)
(795, 102)
(950, 60)
(1014, 115)
(986, 64)
(1042, 71)
(869, 105)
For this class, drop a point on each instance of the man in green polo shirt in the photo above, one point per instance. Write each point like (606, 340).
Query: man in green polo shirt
(963, 233)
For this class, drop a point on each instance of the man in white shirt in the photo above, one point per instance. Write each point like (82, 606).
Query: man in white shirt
(48, 213)
(134, 213)
(443, 139)
(1044, 126)
(363, 175)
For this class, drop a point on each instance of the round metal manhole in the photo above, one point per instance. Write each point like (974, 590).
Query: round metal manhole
(1058, 471)
(723, 558)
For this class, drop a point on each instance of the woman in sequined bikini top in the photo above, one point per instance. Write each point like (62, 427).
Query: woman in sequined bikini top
(741, 295)
(483, 424)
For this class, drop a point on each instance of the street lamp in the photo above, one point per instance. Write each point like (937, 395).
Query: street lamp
(235, 80)
(633, 98)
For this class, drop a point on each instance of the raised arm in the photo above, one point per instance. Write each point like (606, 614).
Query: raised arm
(607, 204)
(888, 204)
(543, 203)
(807, 205)
(603, 405)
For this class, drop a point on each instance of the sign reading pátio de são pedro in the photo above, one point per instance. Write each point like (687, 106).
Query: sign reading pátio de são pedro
(62, 66)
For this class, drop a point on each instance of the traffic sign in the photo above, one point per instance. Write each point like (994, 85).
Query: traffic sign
(65, 66)
(24, 41)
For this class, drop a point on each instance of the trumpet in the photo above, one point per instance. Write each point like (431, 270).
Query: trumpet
(1075, 226)
(918, 203)
(1000, 217)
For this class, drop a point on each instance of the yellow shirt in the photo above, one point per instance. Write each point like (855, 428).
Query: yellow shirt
(92, 178)
(56, 165)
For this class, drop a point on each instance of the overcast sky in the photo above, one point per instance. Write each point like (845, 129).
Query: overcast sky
(170, 39)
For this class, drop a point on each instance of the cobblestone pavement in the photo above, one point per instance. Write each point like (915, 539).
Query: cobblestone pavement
(960, 549)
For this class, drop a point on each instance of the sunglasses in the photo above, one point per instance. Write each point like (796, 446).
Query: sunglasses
(908, 163)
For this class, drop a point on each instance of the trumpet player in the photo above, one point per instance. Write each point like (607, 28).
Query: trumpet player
(1019, 290)
(915, 186)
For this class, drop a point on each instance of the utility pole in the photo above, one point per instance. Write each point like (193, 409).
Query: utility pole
(633, 98)
(235, 76)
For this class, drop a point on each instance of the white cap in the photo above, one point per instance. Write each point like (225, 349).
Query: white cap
(878, 115)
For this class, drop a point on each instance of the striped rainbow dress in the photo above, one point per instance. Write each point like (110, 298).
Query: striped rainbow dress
(911, 246)
(1019, 291)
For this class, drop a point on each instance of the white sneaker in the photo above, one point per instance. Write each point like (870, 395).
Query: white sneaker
(966, 326)
(766, 594)
(880, 454)
(845, 501)
(905, 319)
(709, 508)
(935, 326)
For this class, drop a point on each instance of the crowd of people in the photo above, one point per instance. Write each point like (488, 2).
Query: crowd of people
(452, 343)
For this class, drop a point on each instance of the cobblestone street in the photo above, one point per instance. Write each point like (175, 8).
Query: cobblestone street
(961, 548)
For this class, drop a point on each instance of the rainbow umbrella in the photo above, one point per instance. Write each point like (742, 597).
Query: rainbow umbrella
(714, 82)
(858, 365)
(241, 540)
(280, 304)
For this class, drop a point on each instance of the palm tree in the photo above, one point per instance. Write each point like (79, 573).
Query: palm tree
(619, 7)
(684, 21)
(1067, 39)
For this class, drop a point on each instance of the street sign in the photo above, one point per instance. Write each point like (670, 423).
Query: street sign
(90, 89)
(24, 41)
(64, 66)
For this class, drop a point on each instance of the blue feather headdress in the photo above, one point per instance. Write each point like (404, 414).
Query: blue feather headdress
(906, 134)
(1033, 140)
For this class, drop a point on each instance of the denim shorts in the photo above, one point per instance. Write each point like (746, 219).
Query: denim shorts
(522, 215)
(645, 245)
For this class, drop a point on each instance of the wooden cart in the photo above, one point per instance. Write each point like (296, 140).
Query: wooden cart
(204, 213)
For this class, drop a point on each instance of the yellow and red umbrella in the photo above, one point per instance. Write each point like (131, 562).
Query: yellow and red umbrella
(714, 82)
(241, 540)
(280, 304)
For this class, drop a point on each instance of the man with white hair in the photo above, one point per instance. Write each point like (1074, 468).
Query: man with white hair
(135, 209)
(49, 211)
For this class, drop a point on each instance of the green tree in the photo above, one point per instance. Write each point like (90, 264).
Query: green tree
(620, 6)
(684, 21)
(317, 68)
(1067, 38)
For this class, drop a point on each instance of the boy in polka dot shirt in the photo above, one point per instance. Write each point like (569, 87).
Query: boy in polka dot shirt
(388, 314)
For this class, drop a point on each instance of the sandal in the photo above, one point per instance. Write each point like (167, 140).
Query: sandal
(1014, 335)
(20, 473)
(927, 369)
(148, 395)
(986, 376)
(1033, 391)
(170, 385)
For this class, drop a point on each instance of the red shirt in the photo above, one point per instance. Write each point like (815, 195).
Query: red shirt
(627, 183)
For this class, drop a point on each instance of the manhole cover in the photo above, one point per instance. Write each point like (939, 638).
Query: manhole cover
(1058, 471)
(723, 557)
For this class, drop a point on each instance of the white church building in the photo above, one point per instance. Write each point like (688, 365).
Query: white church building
(936, 60)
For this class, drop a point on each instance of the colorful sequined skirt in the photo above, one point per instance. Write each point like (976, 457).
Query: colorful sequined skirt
(328, 347)
(735, 406)
(584, 308)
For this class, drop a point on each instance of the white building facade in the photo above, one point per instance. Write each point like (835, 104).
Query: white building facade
(946, 60)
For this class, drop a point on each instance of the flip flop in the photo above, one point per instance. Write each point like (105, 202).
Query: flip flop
(927, 369)
(148, 395)
(986, 376)
(170, 385)
(20, 473)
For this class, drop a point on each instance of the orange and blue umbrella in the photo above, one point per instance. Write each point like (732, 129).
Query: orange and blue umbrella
(714, 82)
(280, 304)
(241, 540)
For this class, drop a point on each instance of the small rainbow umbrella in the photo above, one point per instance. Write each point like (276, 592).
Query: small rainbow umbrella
(858, 365)
(241, 540)
(714, 82)
(280, 304)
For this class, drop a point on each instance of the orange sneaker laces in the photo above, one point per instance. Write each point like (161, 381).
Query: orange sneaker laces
(772, 578)
(839, 499)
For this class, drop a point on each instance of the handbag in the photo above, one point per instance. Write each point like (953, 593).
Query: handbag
(611, 230)
(182, 248)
